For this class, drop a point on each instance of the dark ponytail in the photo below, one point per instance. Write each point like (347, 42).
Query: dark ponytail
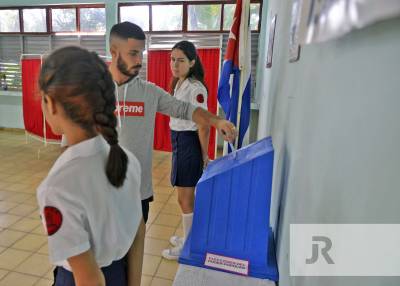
(197, 70)
(81, 83)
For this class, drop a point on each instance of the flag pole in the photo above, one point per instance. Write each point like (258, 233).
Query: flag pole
(242, 58)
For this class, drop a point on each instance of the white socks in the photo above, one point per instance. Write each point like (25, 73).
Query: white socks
(187, 220)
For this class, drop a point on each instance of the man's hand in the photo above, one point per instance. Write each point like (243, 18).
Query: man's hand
(227, 129)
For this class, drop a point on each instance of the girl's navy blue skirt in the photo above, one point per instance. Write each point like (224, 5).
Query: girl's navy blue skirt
(187, 160)
(114, 274)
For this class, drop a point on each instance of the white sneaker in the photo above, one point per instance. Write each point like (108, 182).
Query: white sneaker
(172, 253)
(176, 240)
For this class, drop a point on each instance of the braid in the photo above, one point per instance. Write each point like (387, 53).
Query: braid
(80, 81)
(106, 123)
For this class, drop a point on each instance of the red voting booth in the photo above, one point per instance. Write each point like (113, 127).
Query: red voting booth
(159, 72)
(34, 120)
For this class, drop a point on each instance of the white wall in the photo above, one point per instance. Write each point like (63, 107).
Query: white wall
(335, 123)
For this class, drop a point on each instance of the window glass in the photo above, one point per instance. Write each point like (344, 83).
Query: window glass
(138, 15)
(63, 20)
(9, 21)
(204, 17)
(93, 20)
(34, 20)
(167, 17)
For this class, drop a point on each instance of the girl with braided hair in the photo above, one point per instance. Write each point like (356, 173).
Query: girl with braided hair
(90, 201)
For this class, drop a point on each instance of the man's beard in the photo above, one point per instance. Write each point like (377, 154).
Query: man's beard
(122, 67)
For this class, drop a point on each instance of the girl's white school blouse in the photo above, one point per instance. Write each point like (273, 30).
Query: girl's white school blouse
(81, 210)
(194, 92)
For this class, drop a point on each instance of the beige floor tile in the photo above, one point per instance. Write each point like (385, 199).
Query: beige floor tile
(44, 282)
(3, 273)
(5, 194)
(34, 215)
(32, 201)
(173, 199)
(166, 182)
(44, 249)
(22, 210)
(18, 279)
(163, 190)
(162, 198)
(39, 230)
(27, 225)
(155, 246)
(8, 237)
(19, 198)
(152, 217)
(17, 187)
(7, 219)
(179, 232)
(160, 232)
(49, 274)
(167, 269)
(156, 206)
(2, 249)
(150, 264)
(37, 264)
(5, 206)
(31, 242)
(173, 209)
(10, 178)
(161, 282)
(146, 280)
(168, 220)
(11, 258)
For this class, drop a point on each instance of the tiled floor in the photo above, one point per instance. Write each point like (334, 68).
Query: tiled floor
(23, 244)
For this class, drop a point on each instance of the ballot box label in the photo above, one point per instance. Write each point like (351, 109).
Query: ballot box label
(131, 108)
(229, 264)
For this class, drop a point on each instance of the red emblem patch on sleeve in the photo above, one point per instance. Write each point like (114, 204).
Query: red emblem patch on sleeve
(53, 219)
(200, 98)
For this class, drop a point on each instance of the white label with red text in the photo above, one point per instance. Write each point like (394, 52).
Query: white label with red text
(230, 264)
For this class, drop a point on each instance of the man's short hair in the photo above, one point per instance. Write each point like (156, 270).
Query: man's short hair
(126, 30)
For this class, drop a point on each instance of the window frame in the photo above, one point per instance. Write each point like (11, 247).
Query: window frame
(49, 23)
(185, 15)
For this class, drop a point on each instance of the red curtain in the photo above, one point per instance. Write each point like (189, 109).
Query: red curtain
(31, 100)
(158, 72)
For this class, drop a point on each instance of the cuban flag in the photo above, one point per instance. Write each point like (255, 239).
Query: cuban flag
(234, 84)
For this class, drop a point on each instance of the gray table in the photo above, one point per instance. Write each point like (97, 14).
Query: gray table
(195, 276)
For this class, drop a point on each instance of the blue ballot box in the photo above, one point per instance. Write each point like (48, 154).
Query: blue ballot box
(230, 230)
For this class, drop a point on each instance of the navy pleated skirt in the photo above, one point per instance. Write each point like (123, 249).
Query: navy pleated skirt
(187, 160)
(114, 274)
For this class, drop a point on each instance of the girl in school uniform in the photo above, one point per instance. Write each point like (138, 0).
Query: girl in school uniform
(90, 201)
(189, 141)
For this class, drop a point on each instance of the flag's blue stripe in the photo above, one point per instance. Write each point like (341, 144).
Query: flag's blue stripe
(244, 113)
(224, 96)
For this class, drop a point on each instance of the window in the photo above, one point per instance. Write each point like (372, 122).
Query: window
(138, 15)
(229, 11)
(204, 17)
(34, 20)
(93, 20)
(186, 16)
(254, 15)
(63, 20)
(9, 21)
(167, 17)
